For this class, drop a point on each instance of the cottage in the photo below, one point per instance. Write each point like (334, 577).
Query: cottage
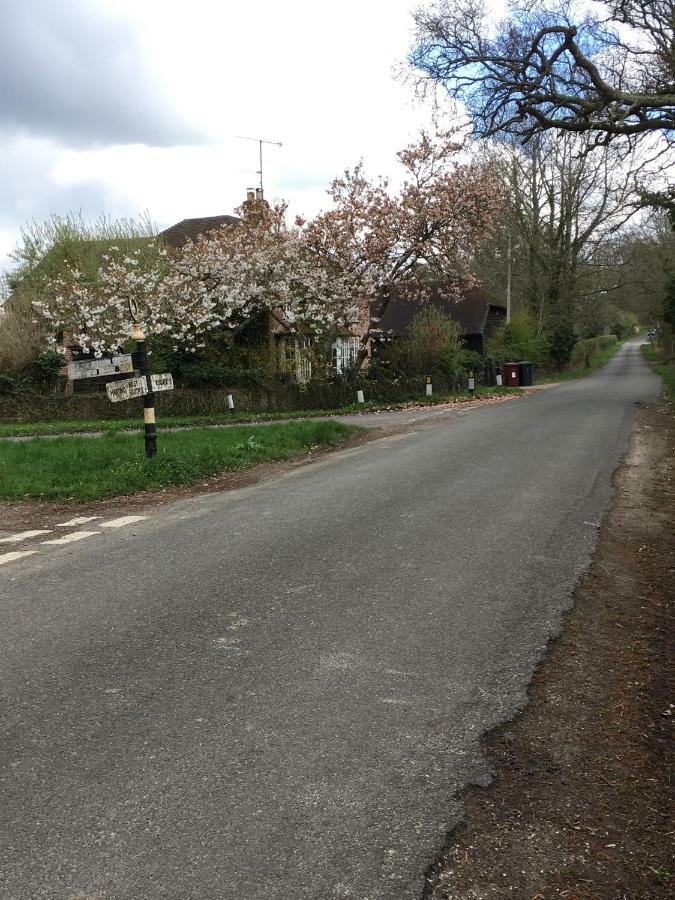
(290, 349)
(477, 313)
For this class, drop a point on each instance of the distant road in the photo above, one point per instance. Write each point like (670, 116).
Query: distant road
(277, 692)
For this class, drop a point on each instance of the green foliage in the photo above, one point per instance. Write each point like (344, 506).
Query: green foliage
(434, 346)
(669, 302)
(625, 326)
(88, 468)
(46, 246)
(519, 341)
(41, 374)
(665, 370)
(562, 342)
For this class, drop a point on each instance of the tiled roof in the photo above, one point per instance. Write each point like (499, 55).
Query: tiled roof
(176, 235)
(393, 314)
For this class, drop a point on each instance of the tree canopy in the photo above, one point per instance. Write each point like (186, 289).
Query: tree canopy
(606, 68)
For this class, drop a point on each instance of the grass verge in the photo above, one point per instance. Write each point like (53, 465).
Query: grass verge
(72, 468)
(665, 370)
(597, 361)
(57, 426)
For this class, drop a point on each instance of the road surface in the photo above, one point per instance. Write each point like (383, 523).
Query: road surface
(278, 692)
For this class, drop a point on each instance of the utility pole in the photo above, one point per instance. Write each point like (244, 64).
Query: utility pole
(509, 258)
(260, 142)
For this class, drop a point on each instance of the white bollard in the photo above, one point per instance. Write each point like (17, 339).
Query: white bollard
(472, 382)
(230, 402)
(359, 397)
(429, 389)
(499, 379)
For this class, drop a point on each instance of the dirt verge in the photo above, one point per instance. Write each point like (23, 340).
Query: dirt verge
(582, 803)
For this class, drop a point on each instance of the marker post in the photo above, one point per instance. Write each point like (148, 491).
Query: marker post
(149, 422)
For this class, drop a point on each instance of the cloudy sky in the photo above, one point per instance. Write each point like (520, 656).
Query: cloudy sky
(123, 106)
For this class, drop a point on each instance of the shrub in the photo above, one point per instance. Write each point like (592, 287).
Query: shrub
(519, 341)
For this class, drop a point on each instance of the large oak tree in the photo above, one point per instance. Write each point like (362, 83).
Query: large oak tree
(604, 68)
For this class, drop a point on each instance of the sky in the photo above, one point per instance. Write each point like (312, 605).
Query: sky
(127, 106)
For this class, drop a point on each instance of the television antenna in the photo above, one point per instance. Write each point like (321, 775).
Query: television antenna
(260, 142)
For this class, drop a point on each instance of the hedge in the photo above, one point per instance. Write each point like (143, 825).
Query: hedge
(33, 407)
(583, 351)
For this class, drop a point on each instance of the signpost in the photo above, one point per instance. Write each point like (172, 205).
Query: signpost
(145, 386)
(93, 368)
(127, 389)
(162, 382)
(138, 387)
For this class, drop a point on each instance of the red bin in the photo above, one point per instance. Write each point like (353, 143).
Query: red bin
(511, 374)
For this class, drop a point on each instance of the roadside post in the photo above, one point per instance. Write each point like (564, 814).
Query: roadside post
(430, 388)
(230, 402)
(149, 422)
(498, 376)
(359, 397)
(472, 381)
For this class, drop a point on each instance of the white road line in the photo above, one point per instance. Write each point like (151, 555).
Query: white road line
(24, 535)
(69, 538)
(119, 523)
(82, 520)
(16, 554)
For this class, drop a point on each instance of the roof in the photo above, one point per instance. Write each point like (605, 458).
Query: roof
(191, 229)
(393, 314)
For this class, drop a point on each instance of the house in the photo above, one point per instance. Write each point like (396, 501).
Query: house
(291, 350)
(478, 314)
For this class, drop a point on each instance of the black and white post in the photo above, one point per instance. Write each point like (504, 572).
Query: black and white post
(149, 425)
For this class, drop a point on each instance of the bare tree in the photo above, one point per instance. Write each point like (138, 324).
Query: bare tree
(607, 70)
(566, 207)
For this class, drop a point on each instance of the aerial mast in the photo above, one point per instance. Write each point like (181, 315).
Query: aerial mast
(260, 142)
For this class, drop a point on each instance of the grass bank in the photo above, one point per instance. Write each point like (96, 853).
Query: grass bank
(75, 426)
(78, 468)
(665, 370)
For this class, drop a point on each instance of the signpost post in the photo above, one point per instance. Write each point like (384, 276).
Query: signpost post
(149, 426)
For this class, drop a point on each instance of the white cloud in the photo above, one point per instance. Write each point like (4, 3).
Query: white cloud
(317, 77)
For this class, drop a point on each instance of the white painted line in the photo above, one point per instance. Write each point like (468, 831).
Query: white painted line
(24, 535)
(17, 554)
(119, 523)
(82, 520)
(70, 538)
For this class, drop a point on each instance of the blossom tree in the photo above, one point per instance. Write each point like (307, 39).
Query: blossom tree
(260, 266)
(221, 279)
(426, 230)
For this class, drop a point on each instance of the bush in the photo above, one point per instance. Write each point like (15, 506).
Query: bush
(562, 343)
(625, 326)
(434, 345)
(518, 341)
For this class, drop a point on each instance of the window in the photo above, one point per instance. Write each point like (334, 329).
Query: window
(345, 353)
(295, 356)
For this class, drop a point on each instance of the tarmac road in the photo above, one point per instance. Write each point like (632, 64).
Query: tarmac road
(277, 692)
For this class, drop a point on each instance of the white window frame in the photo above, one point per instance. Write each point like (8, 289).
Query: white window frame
(345, 353)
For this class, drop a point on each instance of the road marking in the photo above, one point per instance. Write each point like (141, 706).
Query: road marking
(73, 523)
(24, 535)
(70, 538)
(119, 523)
(16, 554)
